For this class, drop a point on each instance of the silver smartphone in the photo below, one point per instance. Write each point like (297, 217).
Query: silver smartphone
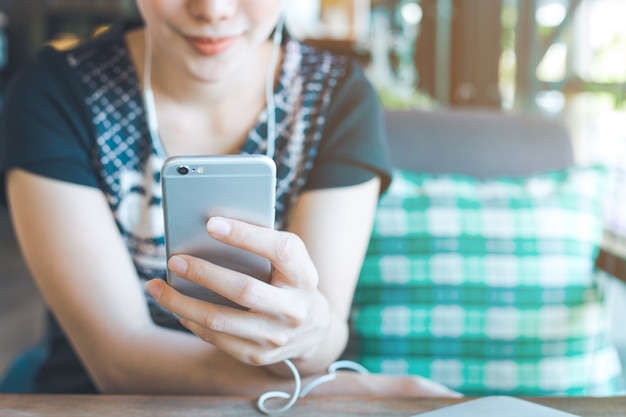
(195, 188)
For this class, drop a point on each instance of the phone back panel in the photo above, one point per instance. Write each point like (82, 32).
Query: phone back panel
(240, 187)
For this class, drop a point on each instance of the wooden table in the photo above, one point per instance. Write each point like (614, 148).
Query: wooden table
(165, 406)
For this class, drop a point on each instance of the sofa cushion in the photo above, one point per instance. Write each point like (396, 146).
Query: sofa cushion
(488, 286)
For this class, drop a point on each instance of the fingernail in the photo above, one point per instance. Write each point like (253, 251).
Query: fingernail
(154, 288)
(218, 226)
(177, 265)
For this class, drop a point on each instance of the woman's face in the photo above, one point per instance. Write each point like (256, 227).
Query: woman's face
(210, 39)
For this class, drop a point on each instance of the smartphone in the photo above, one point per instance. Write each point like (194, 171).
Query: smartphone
(195, 188)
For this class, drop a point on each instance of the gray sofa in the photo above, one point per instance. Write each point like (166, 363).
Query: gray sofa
(479, 143)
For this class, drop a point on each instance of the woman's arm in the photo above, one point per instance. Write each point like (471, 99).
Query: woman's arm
(83, 269)
(335, 225)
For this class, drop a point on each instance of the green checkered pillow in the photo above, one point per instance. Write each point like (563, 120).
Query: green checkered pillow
(487, 286)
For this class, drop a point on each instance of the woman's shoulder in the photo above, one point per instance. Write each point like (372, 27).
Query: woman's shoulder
(43, 76)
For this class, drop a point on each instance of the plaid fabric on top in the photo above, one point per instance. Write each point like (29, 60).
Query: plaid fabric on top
(487, 286)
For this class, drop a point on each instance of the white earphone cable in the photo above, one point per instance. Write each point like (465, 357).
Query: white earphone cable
(148, 97)
(277, 40)
(301, 393)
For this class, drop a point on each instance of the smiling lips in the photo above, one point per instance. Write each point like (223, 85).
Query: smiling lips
(210, 46)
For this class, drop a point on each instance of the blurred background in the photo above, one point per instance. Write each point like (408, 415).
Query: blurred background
(562, 59)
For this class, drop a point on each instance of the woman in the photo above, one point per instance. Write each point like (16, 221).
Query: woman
(82, 183)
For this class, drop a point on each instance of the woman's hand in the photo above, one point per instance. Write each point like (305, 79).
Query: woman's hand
(288, 319)
(381, 385)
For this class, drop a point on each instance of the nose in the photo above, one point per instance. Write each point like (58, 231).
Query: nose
(212, 11)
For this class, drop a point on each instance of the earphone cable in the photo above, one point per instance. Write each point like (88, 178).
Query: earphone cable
(301, 393)
(277, 40)
(148, 97)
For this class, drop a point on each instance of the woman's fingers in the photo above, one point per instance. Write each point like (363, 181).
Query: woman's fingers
(253, 294)
(237, 287)
(285, 250)
(251, 338)
(246, 350)
(272, 331)
(284, 318)
(213, 317)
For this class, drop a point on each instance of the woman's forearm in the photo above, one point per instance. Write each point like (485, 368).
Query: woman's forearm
(163, 361)
(158, 360)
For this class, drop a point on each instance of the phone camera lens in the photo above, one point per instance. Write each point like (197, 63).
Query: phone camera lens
(183, 170)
